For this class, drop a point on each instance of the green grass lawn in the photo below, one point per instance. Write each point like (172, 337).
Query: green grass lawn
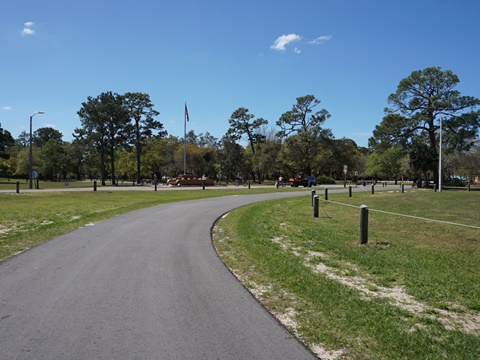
(24, 185)
(412, 292)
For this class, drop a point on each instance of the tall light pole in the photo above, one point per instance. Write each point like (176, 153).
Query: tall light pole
(30, 158)
(440, 159)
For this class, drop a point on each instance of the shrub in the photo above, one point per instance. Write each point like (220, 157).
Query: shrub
(4, 169)
(322, 179)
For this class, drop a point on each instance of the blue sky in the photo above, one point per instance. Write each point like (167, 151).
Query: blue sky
(219, 55)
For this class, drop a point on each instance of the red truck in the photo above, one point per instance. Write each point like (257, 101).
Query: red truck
(300, 180)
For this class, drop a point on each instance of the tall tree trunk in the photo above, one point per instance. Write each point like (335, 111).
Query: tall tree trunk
(102, 163)
(112, 162)
(252, 174)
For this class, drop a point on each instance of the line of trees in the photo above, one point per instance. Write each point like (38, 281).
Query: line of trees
(120, 138)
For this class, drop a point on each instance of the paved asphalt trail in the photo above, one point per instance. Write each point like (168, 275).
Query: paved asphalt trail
(143, 285)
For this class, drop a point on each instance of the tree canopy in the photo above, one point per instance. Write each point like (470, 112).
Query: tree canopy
(305, 139)
(140, 110)
(241, 124)
(299, 119)
(104, 121)
(121, 138)
(415, 110)
(6, 141)
(42, 135)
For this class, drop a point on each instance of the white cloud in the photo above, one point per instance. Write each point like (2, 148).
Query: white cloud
(320, 39)
(284, 40)
(27, 30)
(297, 51)
(7, 108)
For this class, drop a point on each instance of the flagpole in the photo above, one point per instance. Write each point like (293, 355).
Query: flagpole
(440, 159)
(185, 141)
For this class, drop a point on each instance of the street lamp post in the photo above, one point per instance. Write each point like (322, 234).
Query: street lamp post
(440, 159)
(30, 158)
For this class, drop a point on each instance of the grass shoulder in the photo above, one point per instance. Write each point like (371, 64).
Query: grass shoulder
(411, 292)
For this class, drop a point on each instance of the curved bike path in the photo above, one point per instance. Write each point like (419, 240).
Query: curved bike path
(143, 285)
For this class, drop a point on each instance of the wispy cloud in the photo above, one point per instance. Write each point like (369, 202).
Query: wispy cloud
(320, 39)
(282, 41)
(7, 108)
(27, 30)
(280, 44)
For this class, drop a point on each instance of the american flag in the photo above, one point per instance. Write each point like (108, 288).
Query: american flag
(186, 113)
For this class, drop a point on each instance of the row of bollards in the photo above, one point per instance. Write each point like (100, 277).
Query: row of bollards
(349, 192)
(363, 223)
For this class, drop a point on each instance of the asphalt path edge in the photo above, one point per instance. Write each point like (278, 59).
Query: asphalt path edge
(299, 340)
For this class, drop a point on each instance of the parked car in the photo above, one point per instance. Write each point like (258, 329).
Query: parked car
(311, 180)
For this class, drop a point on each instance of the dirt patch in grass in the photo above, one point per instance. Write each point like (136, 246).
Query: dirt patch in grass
(5, 229)
(396, 295)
